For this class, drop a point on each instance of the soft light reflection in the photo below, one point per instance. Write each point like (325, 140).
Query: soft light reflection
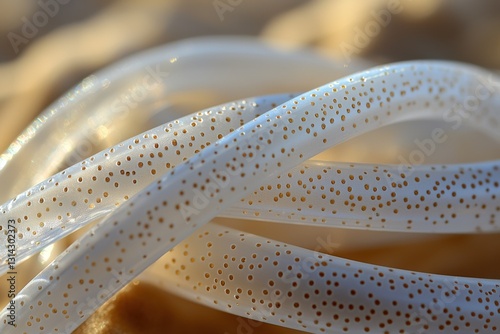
(44, 255)
(102, 132)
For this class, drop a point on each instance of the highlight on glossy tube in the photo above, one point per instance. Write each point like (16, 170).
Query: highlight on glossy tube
(249, 158)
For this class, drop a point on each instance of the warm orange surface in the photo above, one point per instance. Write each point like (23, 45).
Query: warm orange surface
(142, 308)
(63, 53)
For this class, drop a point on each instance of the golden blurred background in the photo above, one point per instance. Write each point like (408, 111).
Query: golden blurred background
(48, 46)
(47, 49)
